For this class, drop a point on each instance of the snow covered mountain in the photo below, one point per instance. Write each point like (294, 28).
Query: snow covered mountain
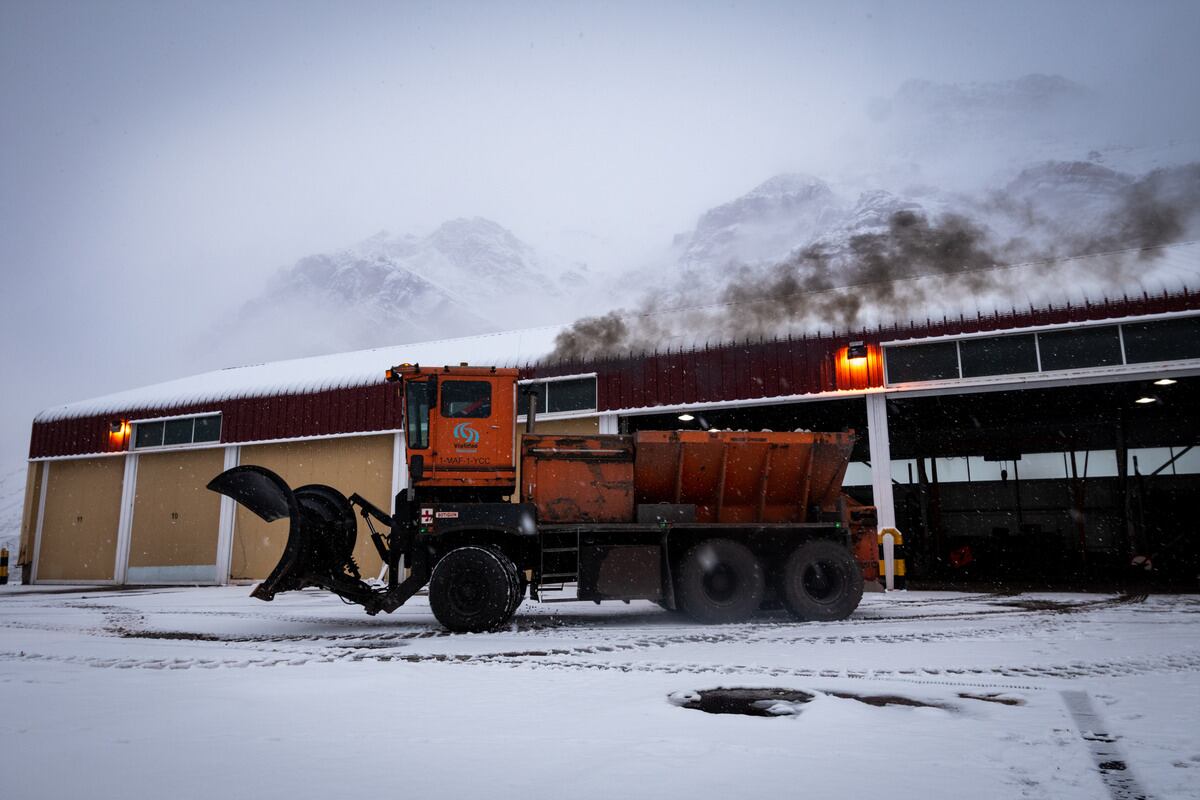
(797, 254)
(782, 214)
(1046, 209)
(466, 277)
(763, 223)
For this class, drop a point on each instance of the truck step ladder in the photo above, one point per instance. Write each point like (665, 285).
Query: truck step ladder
(559, 573)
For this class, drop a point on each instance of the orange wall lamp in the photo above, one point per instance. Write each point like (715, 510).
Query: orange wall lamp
(859, 366)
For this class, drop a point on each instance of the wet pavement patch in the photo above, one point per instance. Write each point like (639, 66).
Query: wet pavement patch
(993, 698)
(747, 701)
(182, 636)
(1042, 605)
(767, 702)
(881, 700)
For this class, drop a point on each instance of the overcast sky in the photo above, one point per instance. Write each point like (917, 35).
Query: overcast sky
(159, 160)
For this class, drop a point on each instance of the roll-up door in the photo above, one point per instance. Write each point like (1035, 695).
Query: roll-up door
(176, 520)
(79, 528)
(360, 464)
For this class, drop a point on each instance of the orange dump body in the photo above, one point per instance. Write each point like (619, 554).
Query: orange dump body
(578, 478)
(727, 476)
(742, 477)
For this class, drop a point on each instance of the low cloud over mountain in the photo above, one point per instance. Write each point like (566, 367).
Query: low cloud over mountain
(468, 276)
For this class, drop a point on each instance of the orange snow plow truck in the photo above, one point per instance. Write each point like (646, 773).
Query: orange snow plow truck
(714, 524)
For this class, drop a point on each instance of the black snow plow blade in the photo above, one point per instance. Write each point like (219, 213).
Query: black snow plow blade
(321, 534)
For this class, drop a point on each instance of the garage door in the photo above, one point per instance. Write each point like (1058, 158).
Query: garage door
(360, 464)
(83, 510)
(176, 520)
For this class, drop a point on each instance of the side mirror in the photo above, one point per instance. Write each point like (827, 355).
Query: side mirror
(416, 468)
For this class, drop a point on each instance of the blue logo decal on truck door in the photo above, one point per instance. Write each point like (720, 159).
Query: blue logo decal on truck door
(465, 435)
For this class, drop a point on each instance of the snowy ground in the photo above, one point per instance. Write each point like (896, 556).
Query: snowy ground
(190, 693)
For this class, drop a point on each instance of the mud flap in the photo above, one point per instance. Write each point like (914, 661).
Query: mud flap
(321, 533)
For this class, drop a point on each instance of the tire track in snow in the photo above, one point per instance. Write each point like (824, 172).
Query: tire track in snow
(571, 660)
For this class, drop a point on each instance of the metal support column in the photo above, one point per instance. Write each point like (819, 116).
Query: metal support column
(228, 516)
(881, 459)
(399, 469)
(125, 521)
(399, 484)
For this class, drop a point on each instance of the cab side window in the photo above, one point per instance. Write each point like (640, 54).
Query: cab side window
(418, 394)
(466, 399)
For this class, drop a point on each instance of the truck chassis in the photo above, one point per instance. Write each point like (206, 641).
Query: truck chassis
(479, 560)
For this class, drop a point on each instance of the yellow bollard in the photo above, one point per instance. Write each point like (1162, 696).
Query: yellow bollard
(891, 564)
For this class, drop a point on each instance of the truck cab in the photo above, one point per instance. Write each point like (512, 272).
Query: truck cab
(459, 428)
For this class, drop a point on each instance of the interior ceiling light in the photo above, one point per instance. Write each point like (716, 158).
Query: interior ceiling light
(686, 418)
(1145, 400)
(1165, 382)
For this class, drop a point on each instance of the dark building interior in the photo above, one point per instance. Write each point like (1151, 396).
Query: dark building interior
(1054, 484)
(1049, 486)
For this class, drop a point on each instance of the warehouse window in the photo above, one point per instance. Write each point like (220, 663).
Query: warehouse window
(467, 399)
(176, 432)
(922, 362)
(575, 394)
(998, 355)
(1083, 347)
(1168, 340)
(208, 429)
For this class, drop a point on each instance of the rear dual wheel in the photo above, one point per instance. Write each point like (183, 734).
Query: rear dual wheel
(474, 589)
(821, 582)
(720, 581)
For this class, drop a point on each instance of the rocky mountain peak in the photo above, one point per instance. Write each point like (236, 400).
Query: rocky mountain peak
(761, 223)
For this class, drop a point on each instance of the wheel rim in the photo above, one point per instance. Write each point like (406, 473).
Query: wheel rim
(823, 581)
(466, 594)
(721, 584)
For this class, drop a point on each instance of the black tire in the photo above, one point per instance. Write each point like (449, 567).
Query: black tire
(519, 586)
(720, 580)
(821, 582)
(472, 589)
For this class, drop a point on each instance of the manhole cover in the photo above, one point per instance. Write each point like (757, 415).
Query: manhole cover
(751, 702)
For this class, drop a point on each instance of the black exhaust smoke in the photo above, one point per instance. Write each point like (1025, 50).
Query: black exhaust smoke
(875, 275)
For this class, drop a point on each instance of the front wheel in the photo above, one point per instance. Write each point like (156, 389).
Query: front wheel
(720, 580)
(821, 582)
(473, 589)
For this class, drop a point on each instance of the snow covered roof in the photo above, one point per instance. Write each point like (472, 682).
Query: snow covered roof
(317, 373)
(1152, 271)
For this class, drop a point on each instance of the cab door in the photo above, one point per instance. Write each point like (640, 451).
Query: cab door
(473, 430)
